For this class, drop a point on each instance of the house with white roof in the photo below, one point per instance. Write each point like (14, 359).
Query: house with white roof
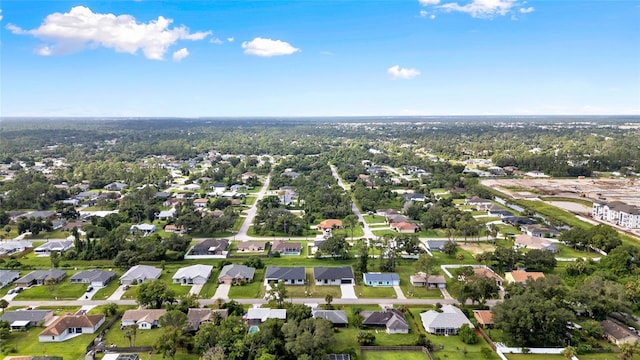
(54, 245)
(139, 274)
(445, 322)
(256, 316)
(193, 275)
(145, 229)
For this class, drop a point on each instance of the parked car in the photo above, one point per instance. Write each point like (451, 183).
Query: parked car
(89, 289)
(11, 291)
(18, 290)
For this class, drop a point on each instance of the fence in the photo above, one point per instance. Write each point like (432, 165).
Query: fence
(480, 331)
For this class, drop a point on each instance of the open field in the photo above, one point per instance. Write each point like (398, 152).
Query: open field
(593, 189)
(388, 355)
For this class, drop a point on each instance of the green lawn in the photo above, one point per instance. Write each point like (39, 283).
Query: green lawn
(311, 290)
(115, 335)
(392, 355)
(375, 292)
(209, 288)
(542, 357)
(65, 290)
(374, 219)
(56, 234)
(568, 252)
(253, 290)
(26, 343)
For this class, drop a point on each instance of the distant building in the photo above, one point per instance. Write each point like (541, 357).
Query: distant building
(617, 213)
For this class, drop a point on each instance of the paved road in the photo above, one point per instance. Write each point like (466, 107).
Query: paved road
(368, 234)
(251, 213)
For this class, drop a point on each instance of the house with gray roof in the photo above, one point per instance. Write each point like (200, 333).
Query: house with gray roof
(144, 229)
(445, 322)
(256, 316)
(392, 320)
(193, 275)
(115, 186)
(53, 245)
(139, 274)
(334, 275)
(284, 247)
(336, 317)
(213, 247)
(198, 316)
(14, 246)
(40, 277)
(23, 319)
(381, 279)
(236, 274)
(95, 277)
(8, 276)
(289, 275)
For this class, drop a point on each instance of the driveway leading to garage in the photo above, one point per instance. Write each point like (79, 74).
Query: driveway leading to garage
(89, 294)
(118, 293)
(348, 292)
(222, 292)
(399, 293)
(195, 289)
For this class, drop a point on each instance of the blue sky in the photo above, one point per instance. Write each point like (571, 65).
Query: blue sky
(319, 58)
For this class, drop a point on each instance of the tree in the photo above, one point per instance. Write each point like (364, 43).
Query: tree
(423, 264)
(167, 343)
(110, 309)
(154, 293)
(186, 302)
(54, 258)
(627, 351)
(233, 308)
(328, 299)
(278, 293)
(214, 353)
(174, 318)
(130, 334)
(539, 260)
(3, 304)
(450, 248)
(350, 221)
(254, 262)
(363, 257)
(298, 312)
(468, 335)
(366, 338)
(336, 246)
(311, 337)
(569, 352)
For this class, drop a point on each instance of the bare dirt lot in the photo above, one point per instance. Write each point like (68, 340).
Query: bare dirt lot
(476, 247)
(626, 190)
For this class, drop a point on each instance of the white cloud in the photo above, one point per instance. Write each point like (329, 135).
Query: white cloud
(424, 13)
(81, 28)
(397, 72)
(180, 54)
(0, 14)
(481, 8)
(432, 17)
(230, 39)
(216, 41)
(428, 2)
(267, 47)
(527, 10)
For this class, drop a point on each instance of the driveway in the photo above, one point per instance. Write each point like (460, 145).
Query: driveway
(195, 289)
(88, 295)
(118, 293)
(222, 292)
(348, 292)
(399, 293)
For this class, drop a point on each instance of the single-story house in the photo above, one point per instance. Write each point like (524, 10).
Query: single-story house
(256, 316)
(478, 202)
(330, 224)
(381, 279)
(238, 187)
(536, 230)
(218, 187)
(405, 227)
(200, 203)
(96, 278)
(173, 228)
(617, 333)
(40, 277)
(8, 276)
(143, 318)
(115, 186)
(21, 320)
(431, 281)
(291, 174)
(248, 175)
(445, 322)
(495, 210)
(521, 277)
(139, 274)
(436, 245)
(210, 247)
(487, 273)
(69, 326)
(396, 218)
(251, 246)
(413, 197)
(14, 246)
(334, 275)
(199, 316)
(484, 318)
(531, 242)
(53, 245)
(337, 317)
(236, 274)
(283, 247)
(290, 275)
(519, 221)
(166, 214)
(193, 275)
(392, 320)
(145, 229)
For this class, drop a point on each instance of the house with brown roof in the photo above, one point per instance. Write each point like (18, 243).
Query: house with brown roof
(200, 203)
(484, 318)
(432, 281)
(144, 318)
(251, 246)
(330, 224)
(525, 241)
(617, 333)
(405, 227)
(283, 247)
(198, 316)
(521, 277)
(69, 326)
(487, 273)
(480, 203)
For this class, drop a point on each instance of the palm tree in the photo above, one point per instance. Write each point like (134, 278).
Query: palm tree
(328, 298)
